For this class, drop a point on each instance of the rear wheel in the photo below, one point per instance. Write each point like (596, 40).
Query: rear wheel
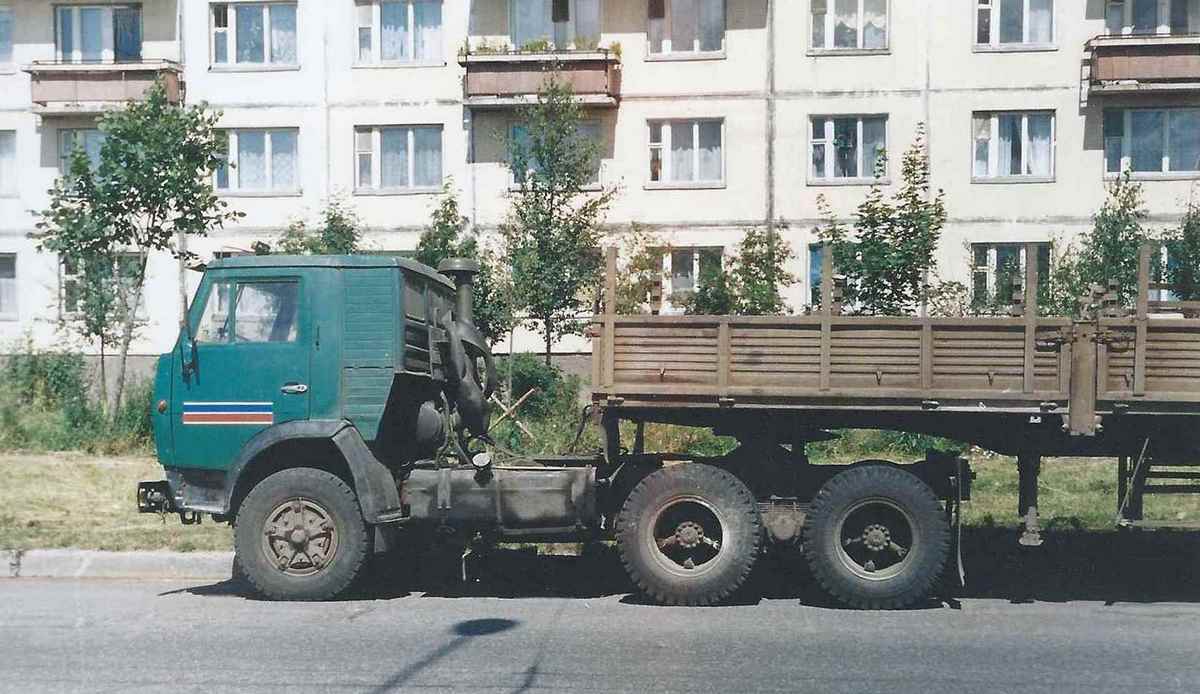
(876, 537)
(301, 536)
(689, 534)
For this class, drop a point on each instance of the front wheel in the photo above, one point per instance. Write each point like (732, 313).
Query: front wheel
(876, 537)
(689, 534)
(301, 536)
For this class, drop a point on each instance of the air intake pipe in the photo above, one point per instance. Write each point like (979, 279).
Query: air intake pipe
(465, 345)
(462, 271)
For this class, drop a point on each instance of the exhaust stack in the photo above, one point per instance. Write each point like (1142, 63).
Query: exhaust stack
(462, 271)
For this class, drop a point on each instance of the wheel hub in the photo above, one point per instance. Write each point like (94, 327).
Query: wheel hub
(689, 534)
(299, 537)
(876, 537)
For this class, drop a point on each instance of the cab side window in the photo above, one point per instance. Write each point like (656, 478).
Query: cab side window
(217, 320)
(266, 312)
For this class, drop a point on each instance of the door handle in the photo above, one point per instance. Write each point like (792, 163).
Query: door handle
(294, 388)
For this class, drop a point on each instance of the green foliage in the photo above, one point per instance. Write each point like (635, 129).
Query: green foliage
(556, 391)
(337, 232)
(949, 299)
(753, 284)
(449, 236)
(640, 276)
(552, 232)
(1107, 252)
(537, 46)
(864, 444)
(714, 295)
(1183, 247)
(152, 186)
(886, 263)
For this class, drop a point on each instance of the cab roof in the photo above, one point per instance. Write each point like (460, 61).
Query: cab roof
(340, 262)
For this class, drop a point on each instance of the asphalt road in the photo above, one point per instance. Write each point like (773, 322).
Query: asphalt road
(118, 636)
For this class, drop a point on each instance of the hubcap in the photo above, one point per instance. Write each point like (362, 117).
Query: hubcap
(299, 537)
(876, 538)
(685, 536)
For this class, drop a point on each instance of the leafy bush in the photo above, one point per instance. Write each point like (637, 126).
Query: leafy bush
(556, 391)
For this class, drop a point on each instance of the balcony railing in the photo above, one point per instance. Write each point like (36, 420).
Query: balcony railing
(1143, 63)
(68, 88)
(504, 80)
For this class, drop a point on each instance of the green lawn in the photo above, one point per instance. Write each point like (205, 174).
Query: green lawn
(86, 501)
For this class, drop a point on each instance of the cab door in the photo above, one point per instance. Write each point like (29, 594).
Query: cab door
(249, 367)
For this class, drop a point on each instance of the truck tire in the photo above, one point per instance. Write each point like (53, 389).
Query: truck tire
(689, 534)
(300, 535)
(876, 537)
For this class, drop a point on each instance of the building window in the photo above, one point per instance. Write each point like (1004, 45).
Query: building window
(89, 140)
(848, 147)
(8, 286)
(399, 32)
(1152, 17)
(585, 131)
(398, 158)
(71, 297)
(6, 36)
(8, 162)
(690, 268)
(687, 151)
(98, 33)
(998, 273)
(1001, 23)
(560, 24)
(849, 24)
(260, 161)
(1152, 141)
(254, 33)
(686, 26)
(1013, 145)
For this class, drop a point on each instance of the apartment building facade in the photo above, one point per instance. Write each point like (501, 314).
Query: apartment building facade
(713, 116)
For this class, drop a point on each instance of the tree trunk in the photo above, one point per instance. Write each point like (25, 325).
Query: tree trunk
(549, 335)
(127, 326)
(103, 378)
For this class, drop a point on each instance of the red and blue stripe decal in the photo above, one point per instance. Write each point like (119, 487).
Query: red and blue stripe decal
(228, 413)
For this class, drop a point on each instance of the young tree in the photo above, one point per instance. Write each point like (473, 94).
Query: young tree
(640, 274)
(888, 260)
(753, 284)
(152, 187)
(338, 233)
(552, 233)
(1183, 247)
(449, 236)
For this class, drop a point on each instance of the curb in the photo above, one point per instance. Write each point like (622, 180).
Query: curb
(84, 563)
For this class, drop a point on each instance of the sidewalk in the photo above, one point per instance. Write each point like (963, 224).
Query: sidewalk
(81, 563)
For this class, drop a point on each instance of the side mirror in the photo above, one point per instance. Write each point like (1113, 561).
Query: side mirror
(187, 354)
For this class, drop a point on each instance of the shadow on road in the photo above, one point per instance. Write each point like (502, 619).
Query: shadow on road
(1112, 567)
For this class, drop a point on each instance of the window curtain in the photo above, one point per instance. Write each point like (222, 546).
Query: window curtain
(1185, 141)
(91, 34)
(8, 285)
(1041, 21)
(587, 24)
(710, 151)
(1114, 139)
(845, 24)
(874, 143)
(283, 160)
(427, 30)
(427, 159)
(875, 23)
(394, 158)
(684, 24)
(6, 35)
(1145, 16)
(845, 145)
(127, 31)
(983, 139)
(394, 41)
(252, 159)
(8, 162)
(712, 25)
(682, 151)
(531, 22)
(1147, 144)
(1185, 16)
(1038, 158)
(1012, 21)
(250, 34)
(1009, 145)
(283, 34)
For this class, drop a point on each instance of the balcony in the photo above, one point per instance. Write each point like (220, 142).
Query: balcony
(1152, 63)
(62, 89)
(506, 80)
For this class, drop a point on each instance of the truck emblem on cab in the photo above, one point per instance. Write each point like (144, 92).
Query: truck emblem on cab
(228, 413)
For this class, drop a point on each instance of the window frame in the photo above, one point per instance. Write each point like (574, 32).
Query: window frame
(376, 29)
(12, 313)
(994, 145)
(514, 183)
(1164, 173)
(830, 150)
(63, 154)
(830, 21)
(67, 277)
(991, 268)
(108, 35)
(197, 310)
(1025, 45)
(695, 53)
(234, 189)
(665, 182)
(1163, 18)
(572, 33)
(231, 64)
(376, 132)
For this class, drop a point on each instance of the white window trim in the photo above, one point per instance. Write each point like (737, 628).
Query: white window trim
(666, 183)
(231, 64)
(377, 160)
(235, 190)
(994, 148)
(992, 268)
(1164, 18)
(1164, 173)
(831, 21)
(376, 28)
(694, 53)
(15, 310)
(830, 151)
(994, 46)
